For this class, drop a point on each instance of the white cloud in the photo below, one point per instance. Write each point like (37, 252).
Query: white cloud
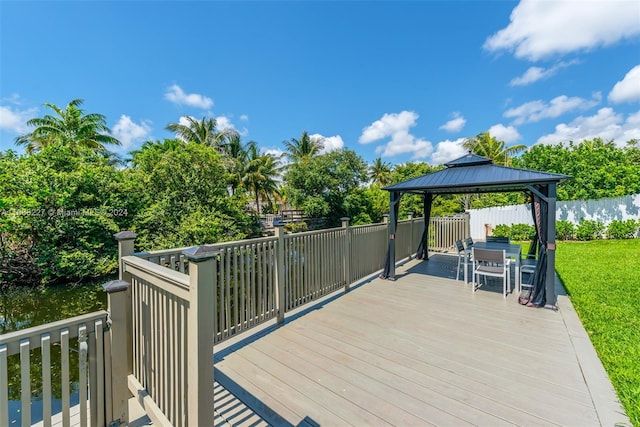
(14, 120)
(454, 125)
(224, 123)
(448, 150)
(129, 132)
(533, 74)
(627, 89)
(176, 95)
(508, 134)
(605, 124)
(396, 126)
(388, 125)
(244, 118)
(535, 111)
(329, 143)
(540, 29)
(403, 142)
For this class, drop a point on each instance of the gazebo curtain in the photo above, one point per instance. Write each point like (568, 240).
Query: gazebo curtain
(423, 247)
(389, 261)
(540, 213)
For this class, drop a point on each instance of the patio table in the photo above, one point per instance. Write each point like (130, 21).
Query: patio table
(511, 250)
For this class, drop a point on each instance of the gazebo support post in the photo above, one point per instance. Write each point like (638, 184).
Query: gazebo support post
(393, 219)
(551, 248)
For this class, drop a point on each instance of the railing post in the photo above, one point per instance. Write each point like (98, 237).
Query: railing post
(385, 218)
(347, 253)
(200, 331)
(280, 275)
(125, 248)
(126, 240)
(410, 239)
(119, 307)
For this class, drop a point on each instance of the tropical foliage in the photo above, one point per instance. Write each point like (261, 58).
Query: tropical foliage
(71, 127)
(303, 149)
(486, 145)
(62, 201)
(598, 168)
(328, 185)
(205, 132)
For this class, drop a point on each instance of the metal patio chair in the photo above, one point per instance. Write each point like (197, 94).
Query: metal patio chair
(493, 263)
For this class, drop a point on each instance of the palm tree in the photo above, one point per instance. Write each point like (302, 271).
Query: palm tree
(301, 150)
(486, 145)
(261, 175)
(155, 150)
(236, 159)
(72, 128)
(380, 172)
(203, 131)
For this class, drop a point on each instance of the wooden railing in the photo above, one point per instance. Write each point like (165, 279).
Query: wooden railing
(179, 302)
(444, 231)
(80, 337)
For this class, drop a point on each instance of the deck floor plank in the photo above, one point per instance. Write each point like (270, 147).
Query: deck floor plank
(421, 350)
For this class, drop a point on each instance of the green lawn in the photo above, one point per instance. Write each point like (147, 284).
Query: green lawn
(602, 278)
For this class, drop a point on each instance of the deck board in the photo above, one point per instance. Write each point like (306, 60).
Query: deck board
(422, 350)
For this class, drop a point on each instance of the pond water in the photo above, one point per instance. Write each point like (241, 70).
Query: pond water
(24, 307)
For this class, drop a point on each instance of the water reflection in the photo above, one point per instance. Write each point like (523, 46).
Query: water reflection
(24, 307)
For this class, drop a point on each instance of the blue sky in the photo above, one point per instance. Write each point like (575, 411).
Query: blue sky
(403, 81)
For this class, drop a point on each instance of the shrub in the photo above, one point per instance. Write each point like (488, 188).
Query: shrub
(622, 229)
(515, 231)
(502, 230)
(589, 230)
(565, 230)
(296, 227)
(522, 232)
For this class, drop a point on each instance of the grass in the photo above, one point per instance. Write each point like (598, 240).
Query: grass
(602, 278)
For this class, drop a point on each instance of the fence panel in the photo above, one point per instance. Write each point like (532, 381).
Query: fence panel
(31, 350)
(160, 300)
(245, 285)
(368, 249)
(444, 231)
(313, 265)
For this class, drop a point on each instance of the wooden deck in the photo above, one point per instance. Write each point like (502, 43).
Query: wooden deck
(422, 350)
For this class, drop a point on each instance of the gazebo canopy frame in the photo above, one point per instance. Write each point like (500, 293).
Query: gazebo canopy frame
(476, 174)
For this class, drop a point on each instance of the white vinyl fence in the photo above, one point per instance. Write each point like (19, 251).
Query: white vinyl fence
(602, 210)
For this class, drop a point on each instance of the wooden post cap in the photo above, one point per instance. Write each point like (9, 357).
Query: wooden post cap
(200, 253)
(125, 235)
(116, 286)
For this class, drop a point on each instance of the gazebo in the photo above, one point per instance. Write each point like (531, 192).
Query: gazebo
(476, 174)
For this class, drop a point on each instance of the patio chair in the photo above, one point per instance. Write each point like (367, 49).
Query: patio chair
(493, 263)
(462, 253)
(528, 267)
(468, 242)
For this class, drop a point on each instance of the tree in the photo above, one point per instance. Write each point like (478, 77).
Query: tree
(326, 186)
(303, 149)
(380, 173)
(598, 169)
(72, 128)
(486, 145)
(261, 175)
(203, 132)
(60, 208)
(182, 188)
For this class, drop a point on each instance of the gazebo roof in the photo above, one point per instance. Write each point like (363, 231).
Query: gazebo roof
(475, 174)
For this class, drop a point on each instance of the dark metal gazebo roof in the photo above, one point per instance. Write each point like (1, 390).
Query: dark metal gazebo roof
(475, 174)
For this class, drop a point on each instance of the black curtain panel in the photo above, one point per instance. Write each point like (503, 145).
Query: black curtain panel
(389, 271)
(540, 214)
(423, 247)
